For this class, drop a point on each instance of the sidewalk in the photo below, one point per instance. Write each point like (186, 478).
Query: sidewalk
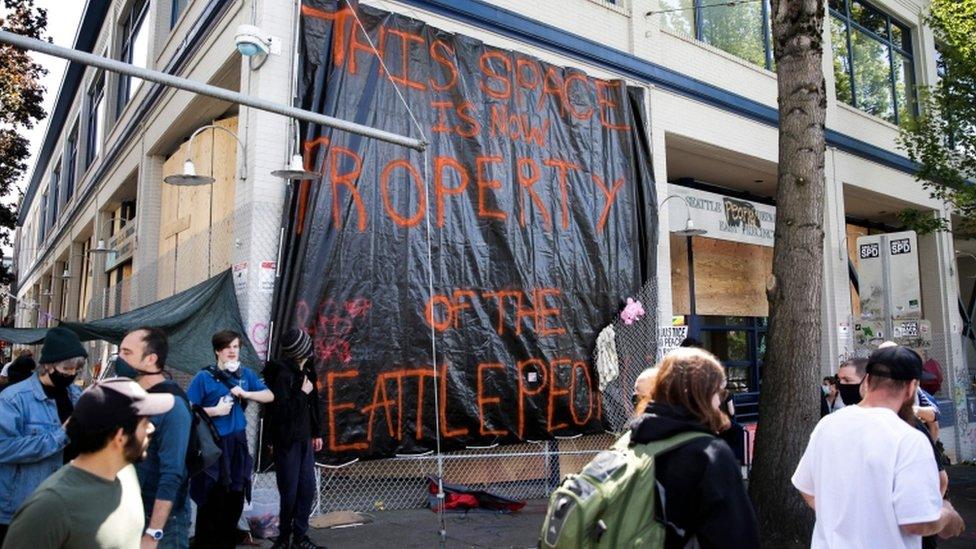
(962, 494)
(417, 528)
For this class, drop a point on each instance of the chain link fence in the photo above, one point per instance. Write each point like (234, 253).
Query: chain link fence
(529, 470)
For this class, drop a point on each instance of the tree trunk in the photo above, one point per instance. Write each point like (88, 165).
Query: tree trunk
(789, 406)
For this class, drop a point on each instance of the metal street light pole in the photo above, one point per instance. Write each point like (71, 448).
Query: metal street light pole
(185, 84)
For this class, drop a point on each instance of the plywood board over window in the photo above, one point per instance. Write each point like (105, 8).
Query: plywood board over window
(196, 235)
(730, 277)
(680, 302)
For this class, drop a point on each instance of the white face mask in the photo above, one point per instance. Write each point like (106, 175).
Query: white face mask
(232, 366)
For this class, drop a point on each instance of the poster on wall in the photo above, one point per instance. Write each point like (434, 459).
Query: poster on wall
(888, 276)
(669, 338)
(536, 204)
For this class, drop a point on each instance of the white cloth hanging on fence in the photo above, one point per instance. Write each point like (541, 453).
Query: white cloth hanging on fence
(607, 363)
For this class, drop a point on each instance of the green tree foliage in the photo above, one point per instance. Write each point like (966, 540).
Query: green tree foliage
(21, 95)
(943, 139)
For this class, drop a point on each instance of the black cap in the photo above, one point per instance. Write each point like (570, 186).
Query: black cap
(296, 344)
(895, 362)
(112, 401)
(61, 344)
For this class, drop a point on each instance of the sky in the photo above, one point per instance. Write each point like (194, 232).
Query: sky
(63, 17)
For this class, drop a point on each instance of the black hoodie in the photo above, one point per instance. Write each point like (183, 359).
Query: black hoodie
(703, 490)
(293, 416)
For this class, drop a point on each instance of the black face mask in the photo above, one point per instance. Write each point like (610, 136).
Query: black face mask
(850, 393)
(60, 380)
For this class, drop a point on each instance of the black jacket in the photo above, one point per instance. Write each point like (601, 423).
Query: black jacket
(293, 415)
(703, 489)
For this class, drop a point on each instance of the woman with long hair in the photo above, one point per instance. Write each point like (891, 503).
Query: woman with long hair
(700, 483)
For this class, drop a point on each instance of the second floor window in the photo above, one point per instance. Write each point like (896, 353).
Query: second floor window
(70, 166)
(42, 221)
(873, 68)
(178, 7)
(739, 28)
(54, 195)
(95, 120)
(134, 48)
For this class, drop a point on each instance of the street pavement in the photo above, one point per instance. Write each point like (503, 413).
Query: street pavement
(418, 528)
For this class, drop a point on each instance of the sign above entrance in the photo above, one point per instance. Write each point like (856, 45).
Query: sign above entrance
(724, 218)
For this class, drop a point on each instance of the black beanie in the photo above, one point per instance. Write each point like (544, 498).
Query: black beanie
(61, 344)
(296, 344)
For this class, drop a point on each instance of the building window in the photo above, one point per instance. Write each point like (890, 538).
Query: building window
(53, 195)
(42, 221)
(178, 7)
(70, 165)
(739, 28)
(134, 48)
(95, 120)
(873, 67)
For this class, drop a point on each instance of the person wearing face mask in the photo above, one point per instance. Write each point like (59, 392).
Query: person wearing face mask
(223, 390)
(32, 414)
(162, 475)
(93, 501)
(887, 494)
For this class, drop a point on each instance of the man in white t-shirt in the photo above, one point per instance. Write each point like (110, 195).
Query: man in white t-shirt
(870, 477)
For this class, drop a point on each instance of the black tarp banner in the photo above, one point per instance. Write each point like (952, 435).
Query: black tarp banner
(538, 197)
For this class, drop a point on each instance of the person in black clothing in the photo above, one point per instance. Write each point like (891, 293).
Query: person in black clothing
(293, 423)
(21, 368)
(703, 495)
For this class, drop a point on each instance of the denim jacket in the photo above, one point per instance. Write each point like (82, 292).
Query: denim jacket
(31, 441)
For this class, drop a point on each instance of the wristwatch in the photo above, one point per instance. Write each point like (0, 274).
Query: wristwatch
(154, 534)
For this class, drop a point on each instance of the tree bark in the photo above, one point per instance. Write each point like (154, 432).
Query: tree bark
(789, 407)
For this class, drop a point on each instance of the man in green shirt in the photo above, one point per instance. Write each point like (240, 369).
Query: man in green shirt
(94, 501)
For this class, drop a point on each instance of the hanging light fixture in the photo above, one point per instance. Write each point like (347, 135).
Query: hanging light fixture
(295, 171)
(690, 229)
(189, 177)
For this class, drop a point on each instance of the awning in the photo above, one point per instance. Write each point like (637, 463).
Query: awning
(189, 318)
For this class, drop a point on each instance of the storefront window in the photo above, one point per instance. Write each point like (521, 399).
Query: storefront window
(727, 345)
(873, 67)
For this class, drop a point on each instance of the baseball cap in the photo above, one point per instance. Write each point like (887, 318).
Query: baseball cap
(895, 362)
(111, 401)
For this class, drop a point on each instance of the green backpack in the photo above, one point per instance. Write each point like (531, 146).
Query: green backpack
(611, 503)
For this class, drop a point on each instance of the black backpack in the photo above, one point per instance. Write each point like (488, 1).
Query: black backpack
(203, 449)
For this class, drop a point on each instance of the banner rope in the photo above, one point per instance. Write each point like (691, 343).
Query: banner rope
(442, 519)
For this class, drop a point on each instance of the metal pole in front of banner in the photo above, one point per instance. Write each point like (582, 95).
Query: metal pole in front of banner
(185, 84)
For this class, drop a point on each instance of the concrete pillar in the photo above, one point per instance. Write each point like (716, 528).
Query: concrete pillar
(260, 199)
(837, 310)
(99, 278)
(73, 284)
(660, 167)
(148, 205)
(940, 294)
(56, 290)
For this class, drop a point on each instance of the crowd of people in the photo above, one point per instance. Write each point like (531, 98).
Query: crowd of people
(873, 471)
(118, 464)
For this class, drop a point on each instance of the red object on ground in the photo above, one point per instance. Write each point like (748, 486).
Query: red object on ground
(459, 497)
